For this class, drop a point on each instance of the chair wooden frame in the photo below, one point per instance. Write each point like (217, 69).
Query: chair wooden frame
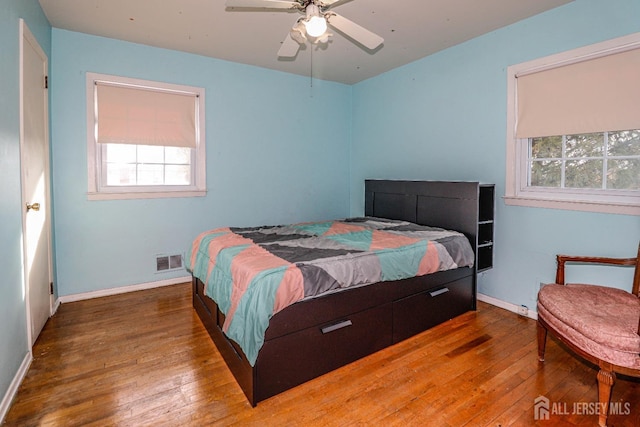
(607, 374)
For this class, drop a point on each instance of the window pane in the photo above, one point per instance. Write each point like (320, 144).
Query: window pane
(624, 174)
(546, 173)
(624, 143)
(150, 154)
(150, 174)
(120, 153)
(583, 174)
(121, 174)
(546, 147)
(177, 155)
(585, 145)
(177, 175)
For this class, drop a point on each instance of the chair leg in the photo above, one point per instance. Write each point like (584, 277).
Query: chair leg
(542, 341)
(606, 379)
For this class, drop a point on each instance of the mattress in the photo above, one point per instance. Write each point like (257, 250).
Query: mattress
(254, 272)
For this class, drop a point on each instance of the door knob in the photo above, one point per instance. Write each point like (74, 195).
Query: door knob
(35, 207)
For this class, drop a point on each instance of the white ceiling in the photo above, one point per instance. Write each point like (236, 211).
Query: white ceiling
(412, 29)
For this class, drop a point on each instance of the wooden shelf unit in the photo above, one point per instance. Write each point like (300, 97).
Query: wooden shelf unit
(486, 214)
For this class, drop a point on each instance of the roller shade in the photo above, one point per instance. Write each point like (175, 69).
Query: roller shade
(596, 95)
(136, 115)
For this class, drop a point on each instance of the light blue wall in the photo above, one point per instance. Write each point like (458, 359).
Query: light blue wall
(444, 118)
(277, 152)
(14, 344)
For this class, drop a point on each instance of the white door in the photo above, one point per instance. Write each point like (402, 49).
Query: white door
(34, 154)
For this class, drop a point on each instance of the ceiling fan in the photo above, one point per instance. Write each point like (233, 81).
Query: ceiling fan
(313, 25)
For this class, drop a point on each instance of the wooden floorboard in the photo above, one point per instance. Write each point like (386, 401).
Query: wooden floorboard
(144, 359)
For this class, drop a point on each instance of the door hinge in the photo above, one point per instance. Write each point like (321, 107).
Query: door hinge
(51, 288)
(46, 82)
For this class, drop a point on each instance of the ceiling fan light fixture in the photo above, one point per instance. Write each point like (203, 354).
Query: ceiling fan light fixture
(313, 26)
(323, 38)
(298, 32)
(316, 24)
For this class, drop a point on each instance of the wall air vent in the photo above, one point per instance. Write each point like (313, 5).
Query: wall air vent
(175, 261)
(168, 262)
(162, 263)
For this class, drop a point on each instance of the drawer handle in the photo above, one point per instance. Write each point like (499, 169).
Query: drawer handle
(336, 326)
(439, 292)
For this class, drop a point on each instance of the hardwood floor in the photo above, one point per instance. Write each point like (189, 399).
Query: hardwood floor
(144, 358)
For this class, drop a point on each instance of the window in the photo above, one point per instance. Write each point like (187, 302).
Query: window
(573, 129)
(598, 161)
(144, 139)
(144, 165)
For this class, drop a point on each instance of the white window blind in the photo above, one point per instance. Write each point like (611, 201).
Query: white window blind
(593, 95)
(141, 116)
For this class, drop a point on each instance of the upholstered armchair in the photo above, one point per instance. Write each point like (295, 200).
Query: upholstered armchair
(600, 324)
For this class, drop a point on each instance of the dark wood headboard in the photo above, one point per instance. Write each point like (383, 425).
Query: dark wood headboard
(450, 205)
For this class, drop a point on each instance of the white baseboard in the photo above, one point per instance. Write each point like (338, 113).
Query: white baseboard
(122, 289)
(15, 384)
(150, 285)
(56, 306)
(506, 305)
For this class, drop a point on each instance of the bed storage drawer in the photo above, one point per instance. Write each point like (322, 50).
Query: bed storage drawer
(309, 353)
(422, 311)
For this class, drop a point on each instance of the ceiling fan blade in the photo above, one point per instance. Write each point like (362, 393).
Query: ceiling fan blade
(355, 31)
(331, 3)
(289, 47)
(264, 4)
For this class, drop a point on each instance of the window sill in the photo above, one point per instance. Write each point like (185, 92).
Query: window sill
(574, 205)
(143, 195)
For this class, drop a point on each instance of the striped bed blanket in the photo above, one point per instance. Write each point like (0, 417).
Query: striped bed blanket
(252, 273)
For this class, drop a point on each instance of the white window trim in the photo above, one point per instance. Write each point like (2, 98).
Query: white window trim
(147, 192)
(516, 191)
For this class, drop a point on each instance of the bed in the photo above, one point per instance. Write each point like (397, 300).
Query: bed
(312, 332)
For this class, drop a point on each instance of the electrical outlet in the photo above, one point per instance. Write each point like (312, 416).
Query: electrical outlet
(523, 310)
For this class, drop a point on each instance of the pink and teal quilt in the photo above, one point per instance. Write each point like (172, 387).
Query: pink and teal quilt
(252, 273)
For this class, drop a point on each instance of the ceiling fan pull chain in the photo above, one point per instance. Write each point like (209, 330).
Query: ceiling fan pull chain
(311, 68)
